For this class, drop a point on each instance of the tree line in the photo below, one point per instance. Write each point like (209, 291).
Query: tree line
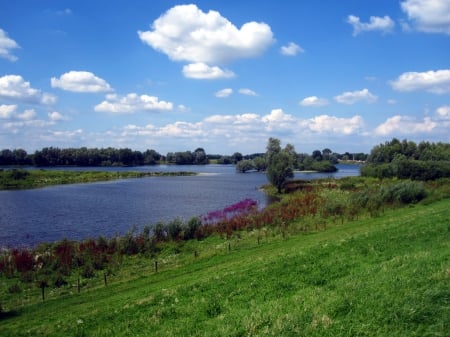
(54, 156)
(408, 160)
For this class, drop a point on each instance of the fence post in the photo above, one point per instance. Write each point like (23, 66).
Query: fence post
(156, 266)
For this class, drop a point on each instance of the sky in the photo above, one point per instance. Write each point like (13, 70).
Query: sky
(223, 75)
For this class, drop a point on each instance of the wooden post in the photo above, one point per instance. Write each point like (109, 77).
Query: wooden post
(229, 247)
(196, 253)
(104, 277)
(156, 266)
(43, 293)
(78, 284)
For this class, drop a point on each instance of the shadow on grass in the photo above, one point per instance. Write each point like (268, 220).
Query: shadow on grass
(8, 314)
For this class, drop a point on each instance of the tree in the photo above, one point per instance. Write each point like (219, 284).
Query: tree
(280, 163)
(244, 166)
(236, 157)
(272, 149)
(280, 169)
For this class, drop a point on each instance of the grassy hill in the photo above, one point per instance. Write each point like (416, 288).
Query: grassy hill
(382, 276)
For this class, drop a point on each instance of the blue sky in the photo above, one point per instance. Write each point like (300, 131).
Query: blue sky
(223, 75)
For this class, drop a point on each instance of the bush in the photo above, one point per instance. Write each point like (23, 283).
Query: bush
(14, 289)
(88, 271)
(406, 192)
(59, 281)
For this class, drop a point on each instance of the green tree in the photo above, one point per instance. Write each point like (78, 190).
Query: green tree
(280, 163)
(244, 166)
(280, 170)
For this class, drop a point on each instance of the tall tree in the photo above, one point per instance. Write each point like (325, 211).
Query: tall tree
(280, 163)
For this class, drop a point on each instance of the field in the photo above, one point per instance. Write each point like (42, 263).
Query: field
(384, 275)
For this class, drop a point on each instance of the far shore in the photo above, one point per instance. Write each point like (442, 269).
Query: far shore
(16, 179)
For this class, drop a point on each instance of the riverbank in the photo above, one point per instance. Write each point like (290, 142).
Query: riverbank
(16, 179)
(374, 276)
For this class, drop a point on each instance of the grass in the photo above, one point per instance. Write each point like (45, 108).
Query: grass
(383, 276)
(25, 179)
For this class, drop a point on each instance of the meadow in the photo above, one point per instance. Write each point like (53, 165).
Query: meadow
(381, 271)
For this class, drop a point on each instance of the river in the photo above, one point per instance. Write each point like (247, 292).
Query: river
(80, 211)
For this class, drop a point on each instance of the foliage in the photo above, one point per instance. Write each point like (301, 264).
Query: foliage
(198, 157)
(408, 160)
(280, 163)
(245, 165)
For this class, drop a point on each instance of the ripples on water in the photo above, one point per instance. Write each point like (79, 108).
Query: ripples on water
(80, 211)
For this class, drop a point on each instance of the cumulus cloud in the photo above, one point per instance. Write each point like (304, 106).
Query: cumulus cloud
(224, 93)
(405, 125)
(313, 101)
(436, 82)
(7, 111)
(27, 115)
(6, 46)
(383, 24)
(132, 103)
(431, 16)
(56, 116)
(204, 71)
(186, 33)
(80, 81)
(336, 125)
(443, 112)
(291, 49)
(351, 97)
(247, 92)
(14, 87)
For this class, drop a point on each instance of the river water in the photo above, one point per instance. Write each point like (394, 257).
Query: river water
(80, 211)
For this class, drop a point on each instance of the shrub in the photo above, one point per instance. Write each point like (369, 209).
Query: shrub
(406, 192)
(59, 281)
(14, 288)
(23, 260)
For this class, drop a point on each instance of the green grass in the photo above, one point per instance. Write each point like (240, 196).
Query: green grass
(13, 179)
(384, 276)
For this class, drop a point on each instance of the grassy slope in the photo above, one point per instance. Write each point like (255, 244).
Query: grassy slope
(388, 276)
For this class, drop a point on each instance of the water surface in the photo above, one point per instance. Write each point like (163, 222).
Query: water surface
(79, 211)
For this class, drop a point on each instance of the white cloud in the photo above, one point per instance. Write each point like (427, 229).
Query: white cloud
(183, 108)
(56, 116)
(391, 101)
(277, 116)
(6, 46)
(336, 125)
(14, 87)
(80, 81)
(247, 92)
(7, 111)
(383, 24)
(313, 101)
(132, 103)
(204, 71)
(351, 97)
(291, 49)
(224, 93)
(431, 16)
(27, 115)
(443, 112)
(405, 125)
(186, 33)
(436, 82)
